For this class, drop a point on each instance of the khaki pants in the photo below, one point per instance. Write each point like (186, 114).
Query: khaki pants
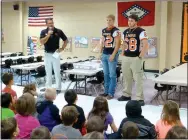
(132, 68)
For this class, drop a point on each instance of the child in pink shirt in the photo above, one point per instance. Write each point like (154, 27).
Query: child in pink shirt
(170, 117)
(25, 106)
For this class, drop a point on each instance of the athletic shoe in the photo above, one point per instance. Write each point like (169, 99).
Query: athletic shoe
(142, 103)
(43, 90)
(124, 98)
(58, 91)
(109, 97)
(104, 95)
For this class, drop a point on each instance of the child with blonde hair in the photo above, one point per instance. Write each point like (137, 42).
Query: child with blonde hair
(48, 113)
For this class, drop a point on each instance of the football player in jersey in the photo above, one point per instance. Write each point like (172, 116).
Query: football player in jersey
(135, 46)
(111, 39)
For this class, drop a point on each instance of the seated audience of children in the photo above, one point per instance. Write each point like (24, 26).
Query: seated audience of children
(6, 112)
(25, 107)
(69, 116)
(170, 117)
(41, 133)
(100, 108)
(7, 79)
(177, 132)
(71, 98)
(9, 128)
(17, 119)
(48, 113)
(130, 130)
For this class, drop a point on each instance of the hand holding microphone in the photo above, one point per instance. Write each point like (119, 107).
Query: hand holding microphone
(50, 31)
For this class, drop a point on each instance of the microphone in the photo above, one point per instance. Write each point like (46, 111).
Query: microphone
(51, 29)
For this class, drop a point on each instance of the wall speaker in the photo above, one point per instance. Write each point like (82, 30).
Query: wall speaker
(16, 7)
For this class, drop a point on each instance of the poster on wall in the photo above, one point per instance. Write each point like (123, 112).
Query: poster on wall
(32, 45)
(81, 42)
(152, 50)
(69, 45)
(95, 44)
(184, 43)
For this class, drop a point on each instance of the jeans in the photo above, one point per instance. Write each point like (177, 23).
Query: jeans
(52, 63)
(109, 69)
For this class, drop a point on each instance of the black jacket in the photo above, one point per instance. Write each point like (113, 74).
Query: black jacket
(133, 112)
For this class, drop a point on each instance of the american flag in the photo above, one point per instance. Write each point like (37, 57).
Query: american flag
(32, 45)
(37, 15)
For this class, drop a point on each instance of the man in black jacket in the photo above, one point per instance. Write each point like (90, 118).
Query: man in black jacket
(134, 114)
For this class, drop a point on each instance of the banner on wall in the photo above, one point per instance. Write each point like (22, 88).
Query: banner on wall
(69, 45)
(144, 9)
(38, 14)
(95, 44)
(81, 42)
(32, 45)
(184, 43)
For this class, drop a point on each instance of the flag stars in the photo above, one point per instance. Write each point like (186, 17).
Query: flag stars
(135, 8)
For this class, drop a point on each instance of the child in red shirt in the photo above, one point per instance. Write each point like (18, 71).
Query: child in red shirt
(7, 79)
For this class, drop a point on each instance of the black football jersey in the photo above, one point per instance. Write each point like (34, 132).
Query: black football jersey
(109, 39)
(133, 38)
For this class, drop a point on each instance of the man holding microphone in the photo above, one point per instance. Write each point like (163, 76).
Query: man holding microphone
(49, 37)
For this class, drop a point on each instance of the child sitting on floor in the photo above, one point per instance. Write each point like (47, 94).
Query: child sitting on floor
(6, 100)
(48, 113)
(100, 108)
(9, 128)
(25, 106)
(41, 133)
(130, 130)
(170, 117)
(177, 132)
(69, 116)
(71, 98)
(30, 88)
(7, 79)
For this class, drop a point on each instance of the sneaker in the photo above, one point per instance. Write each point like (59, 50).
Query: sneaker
(43, 89)
(109, 97)
(104, 95)
(58, 91)
(142, 103)
(124, 98)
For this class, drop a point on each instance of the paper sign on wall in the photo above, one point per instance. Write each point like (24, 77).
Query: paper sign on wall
(81, 42)
(152, 50)
(95, 44)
